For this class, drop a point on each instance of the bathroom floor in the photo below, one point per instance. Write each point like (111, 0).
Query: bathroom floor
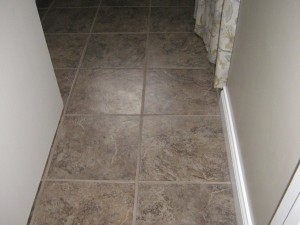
(140, 141)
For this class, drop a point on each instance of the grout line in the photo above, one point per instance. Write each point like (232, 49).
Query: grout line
(36, 202)
(66, 68)
(118, 32)
(177, 68)
(185, 182)
(119, 6)
(139, 182)
(172, 6)
(46, 170)
(139, 68)
(101, 114)
(58, 33)
(144, 115)
(75, 7)
(81, 58)
(136, 194)
(92, 181)
(49, 160)
(48, 9)
(112, 68)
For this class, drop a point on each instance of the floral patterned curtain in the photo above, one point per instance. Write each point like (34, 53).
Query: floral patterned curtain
(216, 24)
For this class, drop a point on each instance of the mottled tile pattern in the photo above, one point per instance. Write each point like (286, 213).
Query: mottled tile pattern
(113, 91)
(181, 92)
(65, 50)
(65, 79)
(76, 3)
(185, 205)
(173, 3)
(96, 148)
(173, 148)
(72, 20)
(125, 2)
(85, 204)
(122, 19)
(172, 19)
(176, 50)
(178, 148)
(115, 50)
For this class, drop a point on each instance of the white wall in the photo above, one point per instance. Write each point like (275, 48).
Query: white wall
(30, 108)
(264, 89)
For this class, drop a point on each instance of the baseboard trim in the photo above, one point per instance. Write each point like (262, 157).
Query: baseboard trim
(235, 164)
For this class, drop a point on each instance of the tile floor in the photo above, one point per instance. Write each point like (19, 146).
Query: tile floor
(140, 140)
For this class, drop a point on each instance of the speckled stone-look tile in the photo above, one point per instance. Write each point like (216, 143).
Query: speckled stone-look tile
(72, 20)
(115, 50)
(109, 91)
(125, 2)
(178, 3)
(185, 205)
(76, 3)
(181, 92)
(85, 204)
(96, 148)
(65, 50)
(176, 50)
(121, 19)
(172, 19)
(65, 79)
(181, 148)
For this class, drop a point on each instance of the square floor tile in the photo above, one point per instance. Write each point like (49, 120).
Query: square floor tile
(172, 19)
(96, 148)
(181, 148)
(65, 79)
(66, 50)
(122, 19)
(72, 20)
(185, 205)
(178, 3)
(125, 2)
(115, 50)
(76, 3)
(176, 50)
(181, 92)
(85, 204)
(112, 91)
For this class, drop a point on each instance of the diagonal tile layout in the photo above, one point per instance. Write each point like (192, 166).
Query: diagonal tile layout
(140, 140)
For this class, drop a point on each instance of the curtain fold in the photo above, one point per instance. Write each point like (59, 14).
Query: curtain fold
(216, 24)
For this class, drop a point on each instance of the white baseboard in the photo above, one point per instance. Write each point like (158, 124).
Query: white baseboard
(235, 164)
